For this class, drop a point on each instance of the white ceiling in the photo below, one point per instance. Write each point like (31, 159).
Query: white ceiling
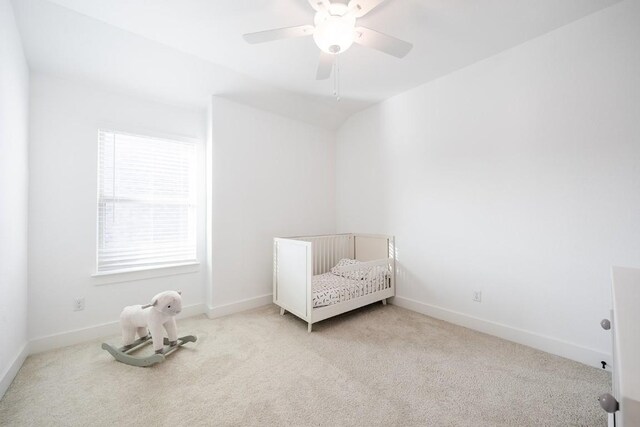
(209, 53)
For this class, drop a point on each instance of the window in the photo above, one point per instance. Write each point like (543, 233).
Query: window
(146, 202)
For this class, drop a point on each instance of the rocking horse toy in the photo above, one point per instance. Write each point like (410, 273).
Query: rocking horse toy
(150, 322)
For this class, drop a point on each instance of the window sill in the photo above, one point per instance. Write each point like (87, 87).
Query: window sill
(134, 274)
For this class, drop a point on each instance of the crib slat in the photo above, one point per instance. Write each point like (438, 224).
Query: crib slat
(325, 259)
(320, 266)
(318, 256)
(332, 248)
(324, 255)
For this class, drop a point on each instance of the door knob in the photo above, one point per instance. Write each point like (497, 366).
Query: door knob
(606, 324)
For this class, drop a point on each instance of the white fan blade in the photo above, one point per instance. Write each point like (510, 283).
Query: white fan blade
(382, 42)
(362, 7)
(319, 5)
(277, 34)
(325, 66)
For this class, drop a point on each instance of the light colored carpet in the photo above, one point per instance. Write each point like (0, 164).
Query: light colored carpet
(375, 366)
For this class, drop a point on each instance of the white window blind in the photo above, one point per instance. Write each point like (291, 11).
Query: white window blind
(146, 202)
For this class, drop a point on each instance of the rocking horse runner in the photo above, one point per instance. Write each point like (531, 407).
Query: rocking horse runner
(159, 316)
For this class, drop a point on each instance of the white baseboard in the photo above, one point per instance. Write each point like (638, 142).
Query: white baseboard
(238, 306)
(572, 351)
(10, 373)
(77, 336)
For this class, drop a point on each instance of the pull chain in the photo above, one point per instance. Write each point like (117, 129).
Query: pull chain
(336, 78)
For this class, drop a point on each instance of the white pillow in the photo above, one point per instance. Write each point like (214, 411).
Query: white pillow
(356, 274)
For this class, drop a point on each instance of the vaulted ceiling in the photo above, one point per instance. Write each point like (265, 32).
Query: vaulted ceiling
(185, 50)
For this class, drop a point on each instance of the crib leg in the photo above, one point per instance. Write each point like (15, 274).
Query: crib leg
(282, 311)
(384, 301)
(309, 327)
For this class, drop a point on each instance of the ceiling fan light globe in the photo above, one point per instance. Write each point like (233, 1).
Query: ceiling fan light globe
(320, 17)
(334, 34)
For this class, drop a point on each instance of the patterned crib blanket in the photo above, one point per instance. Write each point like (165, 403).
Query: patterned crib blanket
(335, 286)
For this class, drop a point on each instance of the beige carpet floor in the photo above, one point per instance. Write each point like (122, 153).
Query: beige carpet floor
(375, 366)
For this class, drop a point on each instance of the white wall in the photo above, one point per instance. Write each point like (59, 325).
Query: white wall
(65, 117)
(14, 114)
(271, 176)
(517, 176)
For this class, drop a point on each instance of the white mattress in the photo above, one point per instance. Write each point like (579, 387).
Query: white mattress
(329, 288)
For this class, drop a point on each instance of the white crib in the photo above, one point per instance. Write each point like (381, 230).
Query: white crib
(297, 260)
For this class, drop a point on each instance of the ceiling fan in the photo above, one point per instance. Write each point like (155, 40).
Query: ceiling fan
(334, 31)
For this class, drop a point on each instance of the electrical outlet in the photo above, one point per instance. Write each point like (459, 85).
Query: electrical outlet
(78, 304)
(477, 296)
